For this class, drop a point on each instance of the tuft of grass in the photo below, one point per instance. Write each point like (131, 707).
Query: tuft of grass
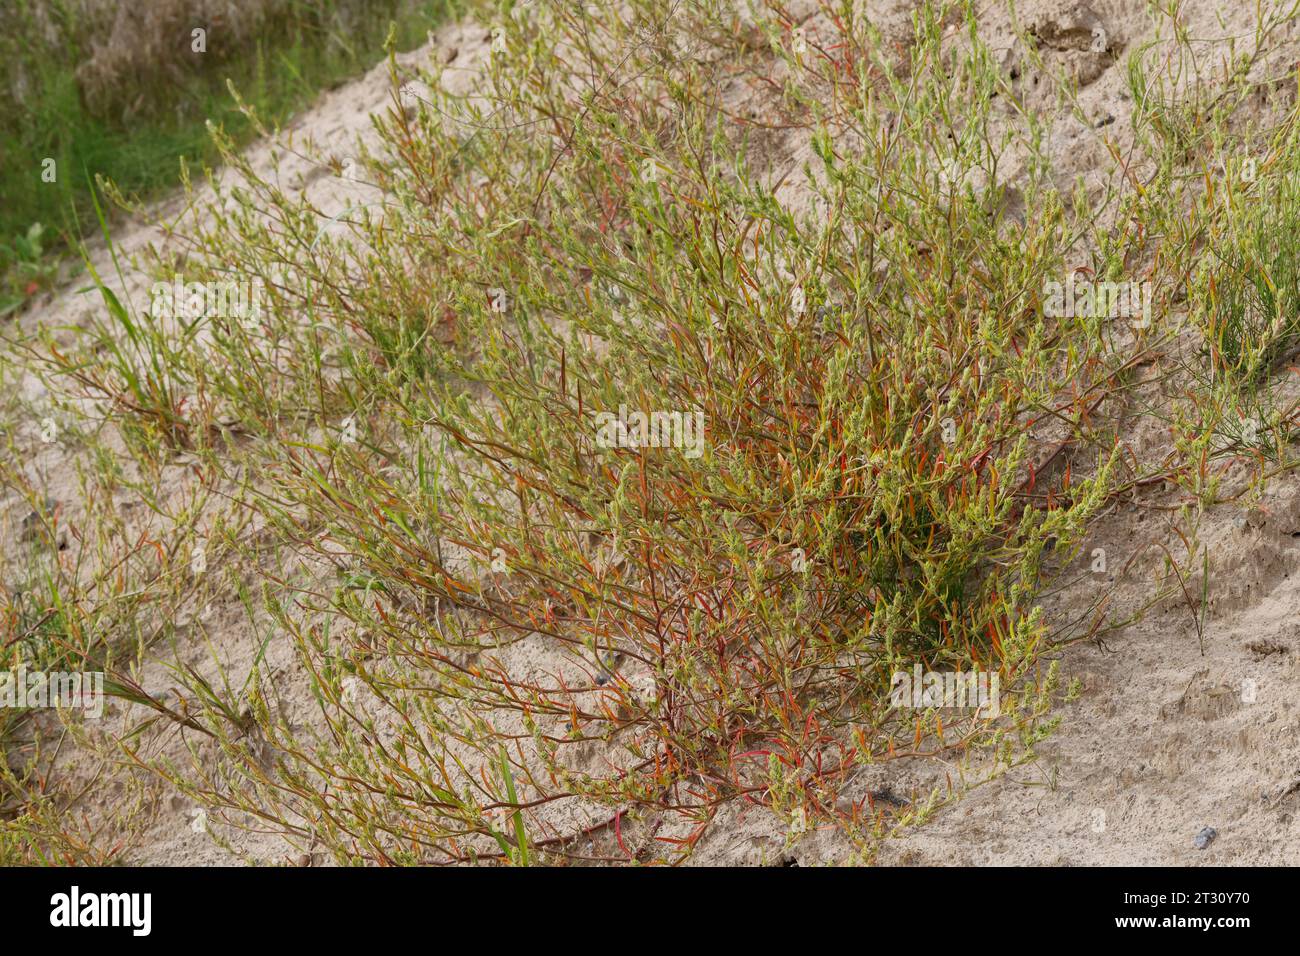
(1248, 283)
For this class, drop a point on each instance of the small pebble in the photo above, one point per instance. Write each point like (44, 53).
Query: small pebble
(1205, 837)
(36, 524)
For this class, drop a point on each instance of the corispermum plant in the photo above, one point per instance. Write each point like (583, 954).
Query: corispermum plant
(605, 474)
(664, 467)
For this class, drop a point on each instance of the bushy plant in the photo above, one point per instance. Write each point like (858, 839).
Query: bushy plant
(534, 621)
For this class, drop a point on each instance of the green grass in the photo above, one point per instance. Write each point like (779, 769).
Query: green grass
(278, 74)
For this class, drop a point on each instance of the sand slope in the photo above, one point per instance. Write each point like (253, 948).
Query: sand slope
(1174, 729)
